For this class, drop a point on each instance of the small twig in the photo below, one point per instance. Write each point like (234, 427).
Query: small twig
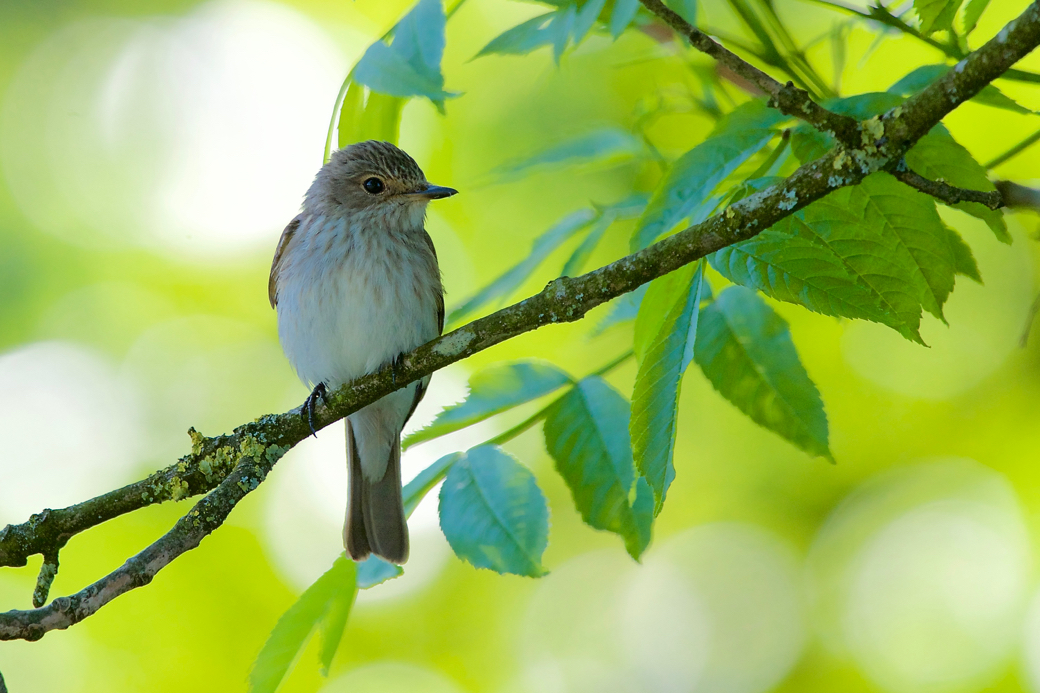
(949, 194)
(787, 98)
(48, 571)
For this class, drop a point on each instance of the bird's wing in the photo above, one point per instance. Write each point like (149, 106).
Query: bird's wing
(283, 246)
(440, 296)
(420, 389)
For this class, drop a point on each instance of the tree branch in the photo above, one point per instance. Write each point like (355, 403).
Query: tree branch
(1021, 196)
(787, 98)
(235, 464)
(947, 193)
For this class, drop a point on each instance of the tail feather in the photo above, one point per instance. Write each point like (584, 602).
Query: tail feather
(375, 520)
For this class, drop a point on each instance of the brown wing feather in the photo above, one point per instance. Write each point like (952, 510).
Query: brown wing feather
(420, 389)
(283, 245)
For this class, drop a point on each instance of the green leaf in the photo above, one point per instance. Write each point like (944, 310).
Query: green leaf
(560, 31)
(493, 390)
(936, 14)
(586, 18)
(963, 259)
(800, 269)
(514, 277)
(411, 65)
(687, 9)
(665, 335)
(375, 571)
(328, 599)
(972, 13)
(581, 254)
(607, 145)
(622, 15)
(493, 513)
(586, 433)
(686, 191)
(521, 39)
(921, 77)
(877, 251)
(938, 156)
(622, 309)
(334, 624)
(745, 350)
(350, 113)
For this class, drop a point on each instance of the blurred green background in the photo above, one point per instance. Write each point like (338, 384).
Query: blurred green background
(151, 154)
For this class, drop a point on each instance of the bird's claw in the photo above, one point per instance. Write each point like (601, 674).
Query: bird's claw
(397, 362)
(317, 393)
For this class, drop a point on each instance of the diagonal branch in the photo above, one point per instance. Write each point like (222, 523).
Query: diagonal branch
(787, 98)
(235, 464)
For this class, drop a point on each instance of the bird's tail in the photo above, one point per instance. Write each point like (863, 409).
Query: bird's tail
(375, 511)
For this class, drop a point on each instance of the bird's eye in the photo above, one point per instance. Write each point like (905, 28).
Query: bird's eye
(373, 186)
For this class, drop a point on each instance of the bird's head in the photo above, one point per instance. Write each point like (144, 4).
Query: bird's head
(375, 179)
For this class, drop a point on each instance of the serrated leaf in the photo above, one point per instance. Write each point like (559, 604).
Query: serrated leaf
(586, 433)
(581, 254)
(921, 77)
(686, 191)
(295, 626)
(687, 9)
(515, 276)
(622, 15)
(333, 625)
(963, 259)
(411, 65)
(585, 19)
(664, 341)
(493, 513)
(375, 571)
(972, 13)
(493, 390)
(560, 31)
(745, 350)
(800, 269)
(936, 14)
(607, 145)
(939, 157)
(522, 38)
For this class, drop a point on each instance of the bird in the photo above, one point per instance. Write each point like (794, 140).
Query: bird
(356, 283)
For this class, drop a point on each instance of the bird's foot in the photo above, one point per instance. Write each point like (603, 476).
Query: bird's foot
(317, 393)
(395, 365)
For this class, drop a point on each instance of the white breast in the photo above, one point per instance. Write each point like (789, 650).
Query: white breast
(351, 299)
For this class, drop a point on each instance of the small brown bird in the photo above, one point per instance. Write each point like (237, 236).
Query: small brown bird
(356, 284)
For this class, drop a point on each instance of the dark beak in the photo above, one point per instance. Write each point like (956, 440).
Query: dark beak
(436, 192)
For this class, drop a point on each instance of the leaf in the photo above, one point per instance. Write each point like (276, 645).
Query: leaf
(622, 15)
(938, 156)
(936, 14)
(493, 390)
(607, 145)
(586, 18)
(622, 309)
(963, 259)
(375, 571)
(411, 65)
(329, 592)
(921, 77)
(493, 513)
(514, 277)
(685, 192)
(972, 13)
(522, 38)
(800, 269)
(586, 433)
(581, 254)
(745, 350)
(350, 112)
(888, 239)
(334, 624)
(687, 9)
(665, 334)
